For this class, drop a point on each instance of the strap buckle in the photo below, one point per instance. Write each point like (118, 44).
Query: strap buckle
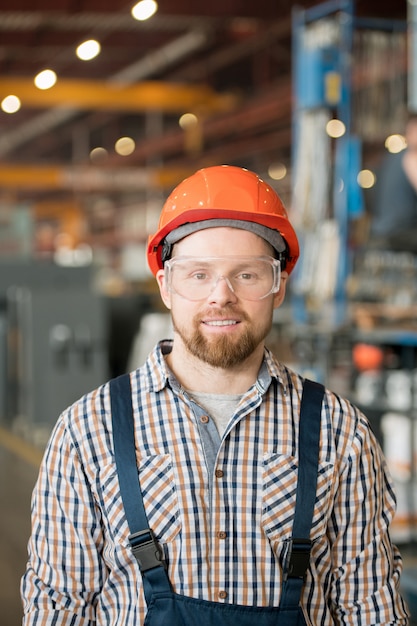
(146, 550)
(298, 558)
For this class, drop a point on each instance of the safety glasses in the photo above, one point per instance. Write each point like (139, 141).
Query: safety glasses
(248, 277)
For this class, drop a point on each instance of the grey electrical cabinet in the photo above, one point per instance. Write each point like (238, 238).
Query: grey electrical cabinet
(55, 347)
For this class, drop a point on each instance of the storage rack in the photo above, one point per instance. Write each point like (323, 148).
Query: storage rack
(322, 90)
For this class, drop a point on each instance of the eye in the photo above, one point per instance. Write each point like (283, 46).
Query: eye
(199, 275)
(246, 276)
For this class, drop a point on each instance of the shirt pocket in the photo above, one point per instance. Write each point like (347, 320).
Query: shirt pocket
(279, 480)
(159, 497)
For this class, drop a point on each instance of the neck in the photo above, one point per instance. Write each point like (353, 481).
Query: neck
(196, 375)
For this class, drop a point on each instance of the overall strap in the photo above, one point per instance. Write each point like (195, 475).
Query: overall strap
(308, 462)
(144, 546)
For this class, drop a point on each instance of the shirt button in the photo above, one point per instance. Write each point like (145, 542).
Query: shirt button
(219, 473)
(222, 595)
(204, 419)
(222, 534)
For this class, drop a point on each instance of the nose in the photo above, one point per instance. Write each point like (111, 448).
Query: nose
(222, 291)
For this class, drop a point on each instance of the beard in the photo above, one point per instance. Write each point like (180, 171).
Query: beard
(222, 351)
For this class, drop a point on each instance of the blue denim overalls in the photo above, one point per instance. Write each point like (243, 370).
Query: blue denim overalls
(166, 608)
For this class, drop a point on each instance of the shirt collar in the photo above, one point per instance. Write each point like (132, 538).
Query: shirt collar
(271, 369)
(155, 369)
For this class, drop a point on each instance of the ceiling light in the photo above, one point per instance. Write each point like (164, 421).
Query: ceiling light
(124, 146)
(45, 79)
(10, 104)
(366, 179)
(277, 171)
(188, 120)
(98, 154)
(144, 10)
(395, 143)
(88, 50)
(335, 128)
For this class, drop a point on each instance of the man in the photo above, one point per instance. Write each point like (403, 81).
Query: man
(220, 450)
(394, 206)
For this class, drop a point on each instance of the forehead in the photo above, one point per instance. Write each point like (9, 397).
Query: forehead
(222, 241)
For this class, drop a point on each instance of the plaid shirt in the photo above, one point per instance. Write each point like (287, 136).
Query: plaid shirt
(222, 507)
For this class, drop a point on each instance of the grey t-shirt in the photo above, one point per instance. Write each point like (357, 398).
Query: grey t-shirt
(220, 407)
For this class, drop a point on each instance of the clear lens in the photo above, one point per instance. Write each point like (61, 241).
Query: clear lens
(250, 278)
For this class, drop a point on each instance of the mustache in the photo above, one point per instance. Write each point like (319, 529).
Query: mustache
(224, 312)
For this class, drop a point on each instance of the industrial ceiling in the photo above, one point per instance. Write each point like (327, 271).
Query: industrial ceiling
(226, 61)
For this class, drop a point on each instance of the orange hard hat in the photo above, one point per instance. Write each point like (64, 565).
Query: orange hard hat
(223, 195)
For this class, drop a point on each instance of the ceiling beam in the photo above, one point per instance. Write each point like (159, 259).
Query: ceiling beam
(129, 173)
(100, 95)
(87, 179)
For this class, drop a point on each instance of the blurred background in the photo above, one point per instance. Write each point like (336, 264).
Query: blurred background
(105, 107)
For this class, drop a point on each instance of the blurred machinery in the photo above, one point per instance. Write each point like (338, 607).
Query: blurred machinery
(349, 92)
(52, 343)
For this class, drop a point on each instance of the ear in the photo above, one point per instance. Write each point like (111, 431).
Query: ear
(165, 295)
(280, 295)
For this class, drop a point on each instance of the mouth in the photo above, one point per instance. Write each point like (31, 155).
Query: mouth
(220, 322)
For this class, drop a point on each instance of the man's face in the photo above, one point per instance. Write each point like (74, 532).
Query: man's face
(223, 329)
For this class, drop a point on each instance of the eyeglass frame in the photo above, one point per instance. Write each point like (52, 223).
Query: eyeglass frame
(274, 263)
